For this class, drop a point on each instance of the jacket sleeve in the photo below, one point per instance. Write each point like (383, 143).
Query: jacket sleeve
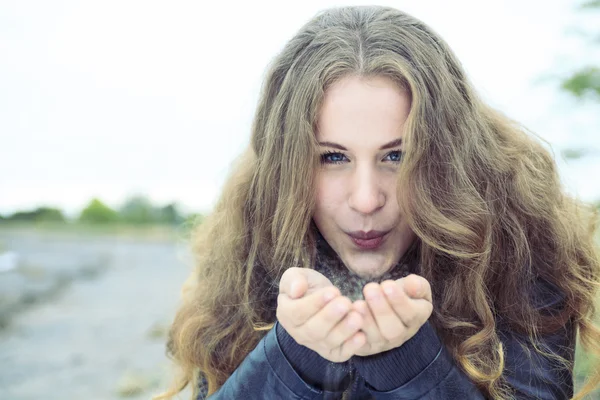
(530, 374)
(266, 374)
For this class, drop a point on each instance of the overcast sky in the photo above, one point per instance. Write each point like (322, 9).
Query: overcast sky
(114, 98)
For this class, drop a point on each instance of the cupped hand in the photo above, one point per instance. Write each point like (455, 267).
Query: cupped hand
(393, 312)
(317, 316)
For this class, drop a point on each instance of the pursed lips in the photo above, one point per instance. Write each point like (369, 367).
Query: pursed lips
(370, 240)
(366, 235)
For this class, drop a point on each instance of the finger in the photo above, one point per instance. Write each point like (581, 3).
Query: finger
(369, 327)
(321, 325)
(412, 312)
(417, 287)
(344, 329)
(349, 347)
(296, 312)
(388, 322)
(293, 282)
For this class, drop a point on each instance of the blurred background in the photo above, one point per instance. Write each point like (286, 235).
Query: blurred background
(118, 123)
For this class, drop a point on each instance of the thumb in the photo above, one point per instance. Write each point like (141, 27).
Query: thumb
(294, 283)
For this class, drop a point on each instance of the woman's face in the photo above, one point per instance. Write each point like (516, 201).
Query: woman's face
(360, 130)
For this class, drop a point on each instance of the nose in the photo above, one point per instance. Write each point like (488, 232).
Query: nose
(367, 194)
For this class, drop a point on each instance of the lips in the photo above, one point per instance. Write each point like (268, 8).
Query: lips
(367, 240)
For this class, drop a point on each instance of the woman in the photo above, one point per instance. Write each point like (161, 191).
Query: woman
(386, 235)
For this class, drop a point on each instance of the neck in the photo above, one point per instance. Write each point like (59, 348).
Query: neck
(351, 285)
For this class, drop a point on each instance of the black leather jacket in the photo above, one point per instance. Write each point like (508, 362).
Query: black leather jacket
(267, 374)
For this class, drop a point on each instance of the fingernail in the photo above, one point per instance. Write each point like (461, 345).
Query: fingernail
(351, 324)
(420, 289)
(373, 295)
(294, 289)
(389, 290)
(328, 296)
(361, 310)
(342, 309)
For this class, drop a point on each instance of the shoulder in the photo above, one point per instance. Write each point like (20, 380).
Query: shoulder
(542, 367)
(547, 297)
(547, 308)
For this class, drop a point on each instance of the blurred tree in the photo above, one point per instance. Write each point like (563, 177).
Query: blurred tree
(23, 216)
(586, 81)
(48, 214)
(41, 214)
(191, 221)
(139, 210)
(194, 219)
(591, 4)
(170, 214)
(98, 212)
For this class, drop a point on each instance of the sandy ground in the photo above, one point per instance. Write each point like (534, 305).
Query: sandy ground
(84, 317)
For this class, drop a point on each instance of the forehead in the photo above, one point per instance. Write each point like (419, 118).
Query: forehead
(363, 107)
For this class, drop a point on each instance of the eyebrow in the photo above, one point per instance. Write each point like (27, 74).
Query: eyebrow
(390, 145)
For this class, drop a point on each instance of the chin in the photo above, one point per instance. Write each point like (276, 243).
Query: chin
(367, 270)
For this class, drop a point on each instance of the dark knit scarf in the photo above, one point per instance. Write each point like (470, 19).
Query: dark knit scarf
(350, 285)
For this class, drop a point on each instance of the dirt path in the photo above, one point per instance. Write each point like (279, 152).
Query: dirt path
(101, 334)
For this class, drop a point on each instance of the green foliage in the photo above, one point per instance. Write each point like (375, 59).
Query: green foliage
(47, 214)
(572, 154)
(138, 210)
(98, 212)
(194, 219)
(577, 153)
(584, 82)
(170, 214)
(591, 4)
(28, 216)
(41, 214)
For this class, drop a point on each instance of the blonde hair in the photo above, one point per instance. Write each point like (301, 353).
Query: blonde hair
(482, 195)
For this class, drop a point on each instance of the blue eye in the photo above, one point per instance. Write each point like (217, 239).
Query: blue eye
(394, 156)
(333, 158)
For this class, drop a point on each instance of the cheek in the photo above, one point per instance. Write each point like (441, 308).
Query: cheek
(330, 192)
(405, 232)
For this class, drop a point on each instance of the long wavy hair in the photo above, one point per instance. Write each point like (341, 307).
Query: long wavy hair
(482, 195)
